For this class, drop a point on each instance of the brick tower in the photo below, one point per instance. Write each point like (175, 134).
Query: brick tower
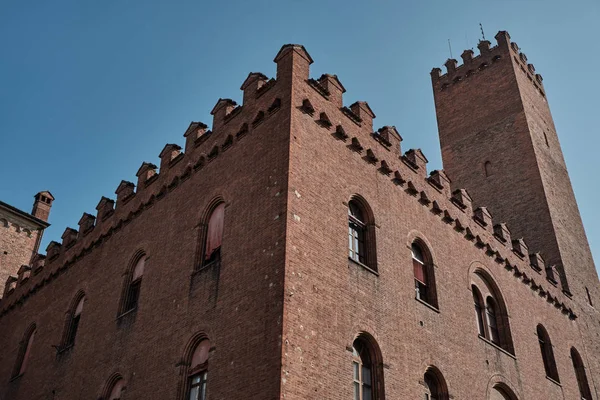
(486, 108)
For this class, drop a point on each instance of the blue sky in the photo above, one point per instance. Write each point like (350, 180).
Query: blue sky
(90, 89)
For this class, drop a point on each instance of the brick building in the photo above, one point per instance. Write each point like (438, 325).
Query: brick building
(294, 251)
(20, 236)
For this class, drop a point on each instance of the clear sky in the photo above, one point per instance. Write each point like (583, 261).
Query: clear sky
(90, 89)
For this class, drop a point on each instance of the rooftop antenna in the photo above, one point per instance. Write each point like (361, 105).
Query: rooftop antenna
(450, 48)
(482, 34)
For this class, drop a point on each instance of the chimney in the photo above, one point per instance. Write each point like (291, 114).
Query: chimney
(42, 204)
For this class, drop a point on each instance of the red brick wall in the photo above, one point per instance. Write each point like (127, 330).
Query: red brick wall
(16, 248)
(329, 300)
(239, 309)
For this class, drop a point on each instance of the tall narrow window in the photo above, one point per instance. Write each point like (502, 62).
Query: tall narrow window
(420, 272)
(547, 353)
(356, 233)
(582, 382)
(423, 274)
(478, 301)
(198, 372)
(491, 315)
(214, 236)
(363, 374)
(132, 291)
(492, 320)
(73, 324)
(24, 352)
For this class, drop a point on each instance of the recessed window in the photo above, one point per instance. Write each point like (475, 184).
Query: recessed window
(547, 353)
(115, 389)
(423, 274)
(73, 320)
(491, 315)
(589, 297)
(366, 370)
(487, 167)
(361, 234)
(198, 373)
(133, 285)
(546, 139)
(214, 236)
(24, 352)
(435, 385)
(582, 381)
(356, 233)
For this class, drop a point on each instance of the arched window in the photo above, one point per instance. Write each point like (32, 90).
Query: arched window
(361, 234)
(435, 385)
(133, 285)
(198, 372)
(114, 388)
(492, 316)
(214, 236)
(357, 231)
(366, 366)
(479, 316)
(502, 392)
(424, 274)
(547, 353)
(24, 352)
(582, 382)
(73, 319)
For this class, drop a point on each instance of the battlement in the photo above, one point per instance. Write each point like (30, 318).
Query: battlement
(317, 100)
(487, 57)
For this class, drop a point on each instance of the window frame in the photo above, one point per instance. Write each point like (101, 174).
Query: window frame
(547, 353)
(130, 296)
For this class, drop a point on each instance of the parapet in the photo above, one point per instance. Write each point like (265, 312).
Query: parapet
(503, 51)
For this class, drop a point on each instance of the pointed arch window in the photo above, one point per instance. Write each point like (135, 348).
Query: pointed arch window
(547, 353)
(198, 372)
(214, 236)
(133, 285)
(582, 381)
(24, 352)
(491, 315)
(479, 310)
(73, 320)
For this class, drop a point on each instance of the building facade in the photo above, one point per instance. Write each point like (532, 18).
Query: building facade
(294, 251)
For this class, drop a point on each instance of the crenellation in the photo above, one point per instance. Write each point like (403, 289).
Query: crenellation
(364, 113)
(393, 139)
(69, 237)
(23, 274)
(416, 160)
(168, 154)
(440, 181)
(502, 233)
(334, 87)
(193, 133)
(253, 83)
(482, 216)
(220, 111)
(484, 47)
(467, 56)
(520, 248)
(10, 286)
(105, 208)
(86, 224)
(53, 250)
(461, 198)
(125, 191)
(146, 172)
(537, 262)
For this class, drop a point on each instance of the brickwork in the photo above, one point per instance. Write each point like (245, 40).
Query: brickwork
(285, 304)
